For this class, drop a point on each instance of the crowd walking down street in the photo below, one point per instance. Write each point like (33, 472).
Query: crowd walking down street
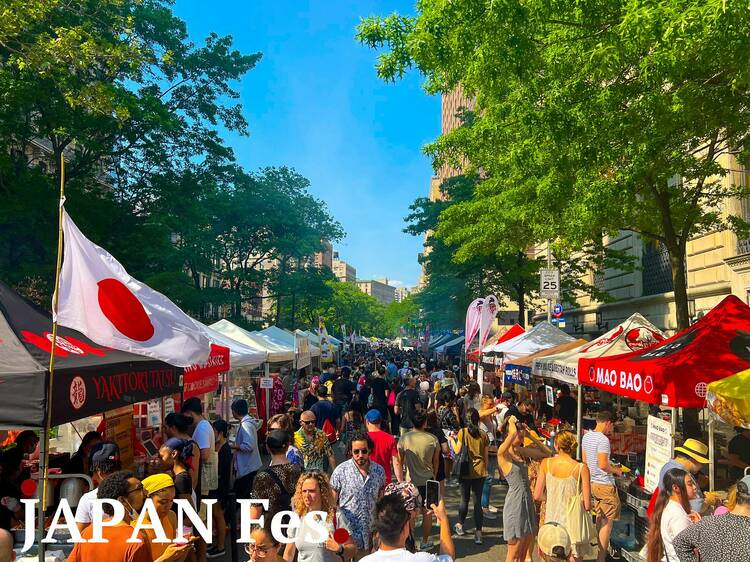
(445, 473)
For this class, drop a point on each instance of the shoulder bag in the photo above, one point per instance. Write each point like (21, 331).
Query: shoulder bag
(579, 523)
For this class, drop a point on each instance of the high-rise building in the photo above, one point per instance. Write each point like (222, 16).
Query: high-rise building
(325, 257)
(454, 104)
(343, 271)
(382, 291)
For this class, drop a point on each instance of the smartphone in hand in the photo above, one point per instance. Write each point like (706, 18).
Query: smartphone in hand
(432, 492)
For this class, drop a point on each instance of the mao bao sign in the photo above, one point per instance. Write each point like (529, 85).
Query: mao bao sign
(148, 519)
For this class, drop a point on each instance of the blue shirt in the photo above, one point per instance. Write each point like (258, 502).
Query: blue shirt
(392, 371)
(325, 410)
(695, 504)
(357, 497)
(247, 455)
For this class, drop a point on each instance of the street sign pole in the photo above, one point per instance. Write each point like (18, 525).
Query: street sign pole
(549, 266)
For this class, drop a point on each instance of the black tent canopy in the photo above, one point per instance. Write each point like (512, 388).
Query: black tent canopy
(88, 378)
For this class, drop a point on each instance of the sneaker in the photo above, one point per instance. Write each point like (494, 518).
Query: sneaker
(477, 537)
(215, 552)
(459, 529)
(425, 546)
(492, 508)
(489, 514)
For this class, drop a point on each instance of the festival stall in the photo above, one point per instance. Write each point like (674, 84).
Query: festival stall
(277, 352)
(677, 371)
(519, 370)
(542, 336)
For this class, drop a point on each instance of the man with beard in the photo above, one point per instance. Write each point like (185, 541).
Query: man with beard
(358, 484)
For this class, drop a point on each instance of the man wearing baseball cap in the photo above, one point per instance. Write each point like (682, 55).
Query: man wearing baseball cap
(719, 538)
(554, 543)
(384, 450)
(104, 460)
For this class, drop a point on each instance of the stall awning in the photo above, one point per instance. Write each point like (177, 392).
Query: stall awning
(202, 378)
(636, 333)
(240, 355)
(276, 351)
(451, 346)
(542, 336)
(89, 379)
(677, 371)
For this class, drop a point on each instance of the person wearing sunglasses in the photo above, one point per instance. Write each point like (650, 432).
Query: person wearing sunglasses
(263, 546)
(125, 488)
(313, 443)
(358, 483)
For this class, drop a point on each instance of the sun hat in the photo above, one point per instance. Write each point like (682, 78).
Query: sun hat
(695, 450)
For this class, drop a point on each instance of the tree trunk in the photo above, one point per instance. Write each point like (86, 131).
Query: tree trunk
(678, 258)
(690, 421)
(520, 296)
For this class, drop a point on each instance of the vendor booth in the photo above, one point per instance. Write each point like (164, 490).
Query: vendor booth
(542, 336)
(277, 351)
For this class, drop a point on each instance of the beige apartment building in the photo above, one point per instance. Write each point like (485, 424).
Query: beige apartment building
(343, 271)
(381, 290)
(718, 263)
(325, 257)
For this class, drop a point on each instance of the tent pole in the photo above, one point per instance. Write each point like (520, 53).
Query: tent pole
(44, 441)
(711, 453)
(579, 421)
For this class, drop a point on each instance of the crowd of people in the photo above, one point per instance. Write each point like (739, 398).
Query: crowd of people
(363, 443)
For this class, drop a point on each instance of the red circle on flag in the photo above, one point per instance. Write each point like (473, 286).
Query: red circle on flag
(121, 307)
(341, 535)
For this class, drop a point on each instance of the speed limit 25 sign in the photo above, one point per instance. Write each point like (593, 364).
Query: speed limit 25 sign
(549, 284)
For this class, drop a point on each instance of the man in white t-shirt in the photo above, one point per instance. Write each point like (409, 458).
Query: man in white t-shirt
(391, 523)
(595, 447)
(105, 460)
(203, 435)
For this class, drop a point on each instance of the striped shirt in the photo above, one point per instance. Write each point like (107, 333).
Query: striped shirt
(592, 444)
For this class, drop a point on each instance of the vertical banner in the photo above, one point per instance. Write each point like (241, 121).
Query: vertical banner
(487, 317)
(326, 355)
(473, 316)
(301, 351)
(658, 450)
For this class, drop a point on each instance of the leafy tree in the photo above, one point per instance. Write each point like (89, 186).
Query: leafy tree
(591, 116)
(404, 315)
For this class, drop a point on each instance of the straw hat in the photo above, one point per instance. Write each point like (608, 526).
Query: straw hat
(695, 450)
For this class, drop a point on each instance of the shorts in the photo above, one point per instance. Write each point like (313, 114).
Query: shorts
(606, 500)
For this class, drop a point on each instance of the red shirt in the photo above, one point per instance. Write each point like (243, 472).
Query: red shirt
(384, 451)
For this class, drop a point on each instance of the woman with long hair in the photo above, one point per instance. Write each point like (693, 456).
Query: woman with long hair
(671, 515)
(519, 515)
(351, 422)
(560, 478)
(488, 425)
(314, 493)
(477, 444)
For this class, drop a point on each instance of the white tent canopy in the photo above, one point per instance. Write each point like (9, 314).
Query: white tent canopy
(240, 354)
(277, 351)
(542, 336)
(287, 338)
(633, 334)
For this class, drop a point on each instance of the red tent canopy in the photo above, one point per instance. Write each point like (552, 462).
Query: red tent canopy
(677, 371)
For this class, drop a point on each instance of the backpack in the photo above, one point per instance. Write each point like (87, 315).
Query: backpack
(329, 430)
(285, 498)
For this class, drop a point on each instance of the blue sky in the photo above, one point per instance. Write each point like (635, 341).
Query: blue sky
(315, 104)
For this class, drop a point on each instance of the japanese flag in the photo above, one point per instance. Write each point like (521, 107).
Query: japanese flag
(98, 298)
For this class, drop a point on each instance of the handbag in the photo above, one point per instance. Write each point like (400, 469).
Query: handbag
(579, 523)
(461, 467)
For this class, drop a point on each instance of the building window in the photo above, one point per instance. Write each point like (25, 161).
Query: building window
(656, 269)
